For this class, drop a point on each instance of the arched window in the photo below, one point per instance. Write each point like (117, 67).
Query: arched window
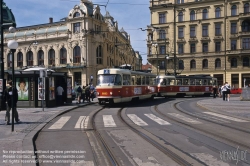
(19, 59)
(40, 57)
(217, 63)
(217, 12)
(29, 58)
(192, 15)
(234, 10)
(77, 55)
(77, 14)
(245, 26)
(245, 62)
(51, 57)
(204, 14)
(63, 55)
(181, 65)
(180, 16)
(246, 8)
(205, 64)
(9, 60)
(192, 64)
(233, 62)
(99, 55)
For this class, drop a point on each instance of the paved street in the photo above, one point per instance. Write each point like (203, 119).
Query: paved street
(34, 119)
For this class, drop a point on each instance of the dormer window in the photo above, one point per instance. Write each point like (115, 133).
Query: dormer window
(77, 14)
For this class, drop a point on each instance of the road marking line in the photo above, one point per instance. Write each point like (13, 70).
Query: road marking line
(79, 122)
(157, 119)
(108, 121)
(60, 123)
(185, 118)
(225, 117)
(212, 118)
(209, 159)
(138, 121)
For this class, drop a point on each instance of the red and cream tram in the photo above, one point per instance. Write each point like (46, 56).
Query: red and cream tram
(181, 85)
(117, 85)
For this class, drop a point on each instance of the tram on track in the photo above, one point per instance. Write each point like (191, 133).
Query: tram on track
(117, 85)
(181, 85)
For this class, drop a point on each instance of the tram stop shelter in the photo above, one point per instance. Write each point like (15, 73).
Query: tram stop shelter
(33, 90)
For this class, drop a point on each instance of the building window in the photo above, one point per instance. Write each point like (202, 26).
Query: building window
(40, 57)
(217, 29)
(192, 15)
(29, 58)
(204, 47)
(180, 48)
(77, 55)
(162, 65)
(181, 65)
(245, 26)
(63, 56)
(162, 49)
(205, 64)
(180, 32)
(246, 43)
(217, 46)
(217, 63)
(180, 16)
(234, 10)
(77, 27)
(233, 44)
(192, 64)
(205, 31)
(217, 12)
(162, 34)
(162, 18)
(9, 60)
(192, 31)
(233, 62)
(180, 1)
(246, 8)
(51, 57)
(192, 48)
(99, 55)
(19, 59)
(245, 62)
(77, 14)
(204, 14)
(233, 27)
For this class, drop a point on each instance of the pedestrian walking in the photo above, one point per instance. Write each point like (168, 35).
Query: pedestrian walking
(87, 93)
(219, 89)
(9, 94)
(92, 92)
(59, 91)
(214, 91)
(228, 90)
(224, 91)
(78, 93)
(83, 94)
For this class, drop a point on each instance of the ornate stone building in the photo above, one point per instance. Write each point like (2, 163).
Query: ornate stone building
(79, 44)
(209, 37)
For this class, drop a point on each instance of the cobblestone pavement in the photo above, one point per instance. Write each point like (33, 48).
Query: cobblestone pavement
(234, 106)
(32, 120)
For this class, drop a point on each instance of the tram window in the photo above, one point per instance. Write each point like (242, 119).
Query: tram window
(210, 82)
(185, 82)
(152, 81)
(168, 82)
(143, 80)
(126, 79)
(163, 81)
(198, 82)
(204, 82)
(138, 80)
(147, 81)
(171, 81)
(192, 81)
(179, 81)
(118, 80)
(112, 79)
(215, 83)
(133, 80)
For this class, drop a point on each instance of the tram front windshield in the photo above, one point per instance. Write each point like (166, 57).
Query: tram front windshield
(111, 79)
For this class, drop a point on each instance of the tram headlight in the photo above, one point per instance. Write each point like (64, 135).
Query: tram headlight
(110, 93)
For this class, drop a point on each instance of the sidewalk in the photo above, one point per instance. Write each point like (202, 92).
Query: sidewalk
(32, 121)
(233, 107)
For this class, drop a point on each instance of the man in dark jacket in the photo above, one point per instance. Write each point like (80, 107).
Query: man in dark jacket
(9, 93)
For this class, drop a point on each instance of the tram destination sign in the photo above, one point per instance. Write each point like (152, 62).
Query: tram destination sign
(106, 71)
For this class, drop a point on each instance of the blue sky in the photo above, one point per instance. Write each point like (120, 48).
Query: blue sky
(130, 14)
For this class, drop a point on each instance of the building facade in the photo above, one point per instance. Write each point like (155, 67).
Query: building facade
(79, 44)
(209, 37)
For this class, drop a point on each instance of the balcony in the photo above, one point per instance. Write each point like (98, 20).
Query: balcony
(244, 15)
(181, 40)
(244, 33)
(193, 39)
(218, 38)
(205, 39)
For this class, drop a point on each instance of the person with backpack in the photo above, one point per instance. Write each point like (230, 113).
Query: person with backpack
(87, 93)
(9, 94)
(78, 93)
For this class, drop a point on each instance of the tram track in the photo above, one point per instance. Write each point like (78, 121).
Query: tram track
(206, 132)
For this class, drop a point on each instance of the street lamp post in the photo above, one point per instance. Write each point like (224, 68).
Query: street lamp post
(12, 45)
